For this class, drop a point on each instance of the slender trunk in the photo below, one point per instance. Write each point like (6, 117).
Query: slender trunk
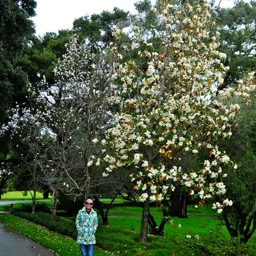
(100, 207)
(54, 206)
(144, 222)
(243, 227)
(33, 192)
(34, 201)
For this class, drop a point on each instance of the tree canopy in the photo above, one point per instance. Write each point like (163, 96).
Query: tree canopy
(15, 30)
(236, 26)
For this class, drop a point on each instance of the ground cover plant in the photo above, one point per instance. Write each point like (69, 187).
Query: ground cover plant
(200, 234)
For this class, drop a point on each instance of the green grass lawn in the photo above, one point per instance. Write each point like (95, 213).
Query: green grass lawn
(201, 230)
(198, 235)
(20, 195)
(201, 221)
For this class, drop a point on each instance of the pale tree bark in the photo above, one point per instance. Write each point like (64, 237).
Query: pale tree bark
(54, 205)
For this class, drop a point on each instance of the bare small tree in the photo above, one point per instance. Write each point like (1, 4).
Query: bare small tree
(64, 119)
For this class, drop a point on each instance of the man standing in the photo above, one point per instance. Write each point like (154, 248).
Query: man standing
(86, 225)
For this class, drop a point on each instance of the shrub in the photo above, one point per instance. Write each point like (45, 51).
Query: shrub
(41, 207)
(61, 225)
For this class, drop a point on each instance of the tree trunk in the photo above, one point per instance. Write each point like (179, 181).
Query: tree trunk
(54, 206)
(33, 192)
(154, 229)
(178, 206)
(3, 181)
(144, 222)
(244, 225)
(33, 195)
(100, 207)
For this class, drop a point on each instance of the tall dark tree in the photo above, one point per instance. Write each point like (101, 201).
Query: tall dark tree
(237, 30)
(98, 28)
(41, 55)
(240, 218)
(16, 29)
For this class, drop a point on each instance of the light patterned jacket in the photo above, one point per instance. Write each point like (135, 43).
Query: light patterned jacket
(86, 225)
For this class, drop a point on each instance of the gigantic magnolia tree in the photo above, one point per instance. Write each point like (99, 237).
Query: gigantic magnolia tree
(168, 108)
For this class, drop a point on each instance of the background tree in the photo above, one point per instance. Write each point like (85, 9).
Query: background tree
(98, 28)
(5, 173)
(41, 55)
(15, 30)
(236, 26)
(240, 218)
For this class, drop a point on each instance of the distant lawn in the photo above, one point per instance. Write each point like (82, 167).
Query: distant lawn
(20, 195)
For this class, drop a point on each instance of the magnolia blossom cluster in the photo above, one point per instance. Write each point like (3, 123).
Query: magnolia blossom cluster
(170, 108)
(219, 206)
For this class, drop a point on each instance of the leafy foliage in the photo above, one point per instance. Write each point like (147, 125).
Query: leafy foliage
(15, 30)
(236, 26)
(240, 218)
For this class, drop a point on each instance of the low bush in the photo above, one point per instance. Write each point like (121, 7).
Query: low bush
(40, 207)
(61, 225)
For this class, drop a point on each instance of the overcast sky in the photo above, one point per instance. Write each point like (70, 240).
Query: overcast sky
(54, 15)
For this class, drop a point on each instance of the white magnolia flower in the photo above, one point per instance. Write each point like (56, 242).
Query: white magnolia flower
(136, 158)
(145, 163)
(143, 197)
(90, 163)
(95, 140)
(227, 202)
